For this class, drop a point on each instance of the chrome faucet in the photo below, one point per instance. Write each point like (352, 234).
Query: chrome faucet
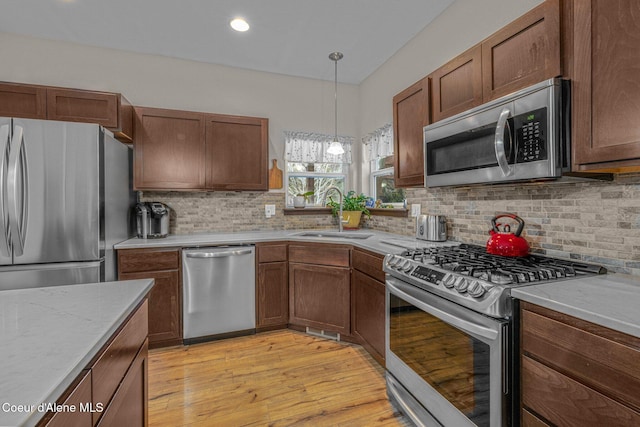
(326, 193)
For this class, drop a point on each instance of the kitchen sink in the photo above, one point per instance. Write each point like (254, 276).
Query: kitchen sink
(334, 234)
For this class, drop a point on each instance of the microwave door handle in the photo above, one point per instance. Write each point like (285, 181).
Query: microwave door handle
(501, 154)
(17, 217)
(4, 230)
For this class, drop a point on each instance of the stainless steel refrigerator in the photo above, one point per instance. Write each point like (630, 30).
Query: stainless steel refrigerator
(65, 200)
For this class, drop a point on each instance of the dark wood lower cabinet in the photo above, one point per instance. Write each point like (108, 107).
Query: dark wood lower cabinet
(319, 297)
(165, 298)
(368, 313)
(272, 295)
(129, 405)
(576, 373)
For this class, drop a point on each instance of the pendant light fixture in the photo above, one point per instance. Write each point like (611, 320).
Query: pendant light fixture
(335, 147)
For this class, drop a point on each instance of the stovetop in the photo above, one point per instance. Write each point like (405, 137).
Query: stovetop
(470, 276)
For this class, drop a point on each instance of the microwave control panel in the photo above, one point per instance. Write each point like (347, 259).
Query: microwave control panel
(531, 129)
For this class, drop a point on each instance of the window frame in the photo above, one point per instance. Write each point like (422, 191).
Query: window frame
(287, 174)
(389, 171)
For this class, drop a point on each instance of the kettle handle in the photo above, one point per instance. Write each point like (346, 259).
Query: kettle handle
(509, 215)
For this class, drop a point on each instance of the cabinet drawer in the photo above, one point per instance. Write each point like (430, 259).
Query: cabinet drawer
(530, 420)
(564, 401)
(133, 261)
(109, 370)
(321, 254)
(368, 263)
(602, 363)
(271, 253)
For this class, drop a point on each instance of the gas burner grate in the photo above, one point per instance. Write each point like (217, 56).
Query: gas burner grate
(474, 261)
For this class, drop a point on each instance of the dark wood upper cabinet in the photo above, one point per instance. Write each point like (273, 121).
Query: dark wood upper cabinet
(184, 150)
(457, 85)
(169, 150)
(18, 100)
(606, 85)
(236, 153)
(410, 115)
(525, 52)
(111, 110)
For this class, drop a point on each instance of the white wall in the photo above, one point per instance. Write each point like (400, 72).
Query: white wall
(290, 103)
(460, 26)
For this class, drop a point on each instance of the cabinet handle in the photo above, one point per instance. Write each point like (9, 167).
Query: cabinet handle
(217, 254)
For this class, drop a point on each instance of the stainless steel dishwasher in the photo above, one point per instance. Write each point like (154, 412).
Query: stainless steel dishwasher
(218, 287)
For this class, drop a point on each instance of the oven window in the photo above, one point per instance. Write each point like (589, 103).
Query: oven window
(455, 364)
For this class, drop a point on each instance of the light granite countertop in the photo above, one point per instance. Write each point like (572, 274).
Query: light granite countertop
(49, 335)
(377, 241)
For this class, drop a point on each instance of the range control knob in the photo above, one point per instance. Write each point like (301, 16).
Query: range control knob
(475, 289)
(394, 260)
(461, 284)
(448, 280)
(406, 266)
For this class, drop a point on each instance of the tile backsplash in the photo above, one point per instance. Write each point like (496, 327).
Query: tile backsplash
(592, 221)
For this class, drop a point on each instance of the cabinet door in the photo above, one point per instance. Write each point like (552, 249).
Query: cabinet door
(273, 295)
(169, 150)
(410, 115)
(129, 406)
(71, 105)
(319, 297)
(165, 306)
(368, 313)
(525, 52)
(606, 84)
(236, 153)
(457, 85)
(81, 395)
(18, 100)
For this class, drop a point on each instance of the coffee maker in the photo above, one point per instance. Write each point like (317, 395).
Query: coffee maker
(152, 220)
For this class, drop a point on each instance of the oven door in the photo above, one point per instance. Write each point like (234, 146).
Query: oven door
(452, 360)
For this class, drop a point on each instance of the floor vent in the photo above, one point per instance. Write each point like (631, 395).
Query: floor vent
(324, 334)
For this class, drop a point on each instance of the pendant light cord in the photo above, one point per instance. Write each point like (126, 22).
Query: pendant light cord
(335, 99)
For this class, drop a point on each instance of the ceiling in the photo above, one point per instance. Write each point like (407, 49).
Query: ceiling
(292, 37)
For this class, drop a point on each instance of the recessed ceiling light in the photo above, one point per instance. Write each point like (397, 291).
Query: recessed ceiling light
(239, 24)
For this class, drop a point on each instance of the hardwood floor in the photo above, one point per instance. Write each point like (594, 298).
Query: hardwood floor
(280, 378)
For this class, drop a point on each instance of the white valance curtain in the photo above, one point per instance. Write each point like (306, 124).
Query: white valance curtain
(379, 143)
(307, 147)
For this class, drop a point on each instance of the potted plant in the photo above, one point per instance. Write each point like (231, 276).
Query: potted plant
(353, 206)
(301, 199)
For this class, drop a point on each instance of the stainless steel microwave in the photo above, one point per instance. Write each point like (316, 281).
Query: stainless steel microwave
(519, 137)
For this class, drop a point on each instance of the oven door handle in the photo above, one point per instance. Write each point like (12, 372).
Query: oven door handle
(454, 317)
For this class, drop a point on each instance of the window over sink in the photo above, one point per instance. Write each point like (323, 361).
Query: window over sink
(309, 167)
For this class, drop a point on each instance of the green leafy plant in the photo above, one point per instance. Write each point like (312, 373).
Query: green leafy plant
(350, 202)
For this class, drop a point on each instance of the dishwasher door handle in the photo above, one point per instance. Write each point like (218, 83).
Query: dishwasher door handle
(217, 254)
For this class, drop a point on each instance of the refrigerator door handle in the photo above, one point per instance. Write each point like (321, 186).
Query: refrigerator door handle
(4, 226)
(17, 217)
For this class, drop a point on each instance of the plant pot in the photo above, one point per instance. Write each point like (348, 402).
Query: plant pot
(352, 219)
(298, 202)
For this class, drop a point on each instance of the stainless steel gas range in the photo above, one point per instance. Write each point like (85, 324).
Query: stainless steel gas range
(451, 331)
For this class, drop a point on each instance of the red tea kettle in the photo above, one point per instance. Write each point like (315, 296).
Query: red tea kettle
(507, 243)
